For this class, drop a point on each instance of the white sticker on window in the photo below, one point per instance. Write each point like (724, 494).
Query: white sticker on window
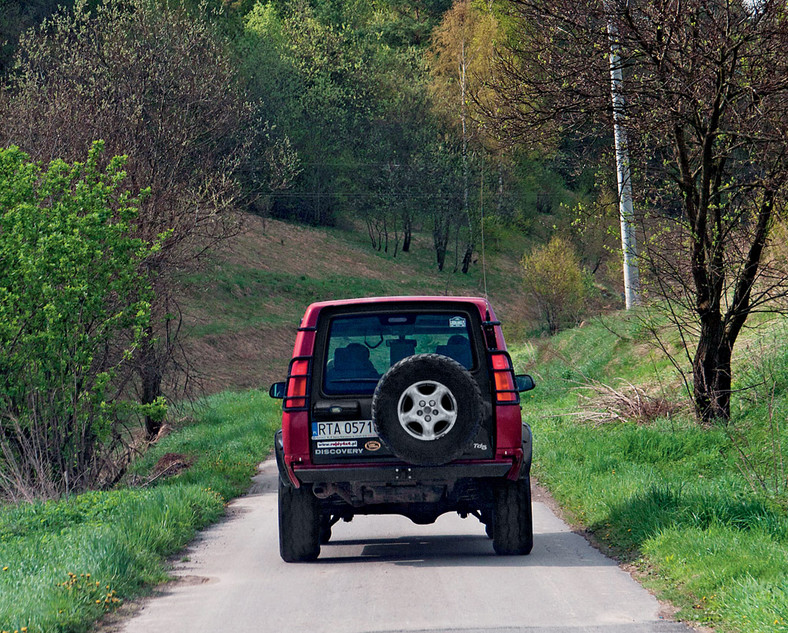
(456, 322)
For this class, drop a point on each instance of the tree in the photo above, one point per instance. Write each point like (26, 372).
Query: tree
(707, 110)
(413, 20)
(461, 50)
(553, 280)
(159, 86)
(16, 16)
(315, 80)
(74, 302)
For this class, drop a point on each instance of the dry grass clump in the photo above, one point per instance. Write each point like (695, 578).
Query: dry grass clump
(601, 403)
(171, 464)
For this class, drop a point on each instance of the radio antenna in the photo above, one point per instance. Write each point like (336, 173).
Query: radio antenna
(481, 208)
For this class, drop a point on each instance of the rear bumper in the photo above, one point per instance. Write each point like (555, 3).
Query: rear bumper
(401, 472)
(296, 474)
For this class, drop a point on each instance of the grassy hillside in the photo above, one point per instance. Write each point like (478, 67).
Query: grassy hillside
(700, 513)
(242, 309)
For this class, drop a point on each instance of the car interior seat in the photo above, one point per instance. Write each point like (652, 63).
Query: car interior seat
(401, 348)
(351, 361)
(458, 348)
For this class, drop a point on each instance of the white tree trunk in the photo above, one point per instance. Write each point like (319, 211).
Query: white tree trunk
(626, 213)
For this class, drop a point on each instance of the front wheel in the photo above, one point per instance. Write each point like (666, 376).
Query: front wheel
(513, 532)
(299, 524)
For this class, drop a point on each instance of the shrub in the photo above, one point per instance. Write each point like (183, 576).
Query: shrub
(73, 303)
(554, 281)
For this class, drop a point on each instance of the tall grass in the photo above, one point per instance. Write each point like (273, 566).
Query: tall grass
(669, 496)
(63, 564)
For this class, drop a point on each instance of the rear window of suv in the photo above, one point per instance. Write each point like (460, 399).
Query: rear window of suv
(361, 348)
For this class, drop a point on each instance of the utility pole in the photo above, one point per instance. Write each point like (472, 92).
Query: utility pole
(626, 213)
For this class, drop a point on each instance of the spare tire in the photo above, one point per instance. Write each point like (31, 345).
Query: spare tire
(427, 409)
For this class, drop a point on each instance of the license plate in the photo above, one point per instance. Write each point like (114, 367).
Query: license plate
(351, 429)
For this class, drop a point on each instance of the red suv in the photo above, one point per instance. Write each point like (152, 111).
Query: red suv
(402, 405)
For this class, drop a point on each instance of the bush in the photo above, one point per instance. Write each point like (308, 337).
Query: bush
(554, 281)
(73, 303)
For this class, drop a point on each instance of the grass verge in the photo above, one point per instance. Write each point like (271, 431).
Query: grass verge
(65, 563)
(668, 496)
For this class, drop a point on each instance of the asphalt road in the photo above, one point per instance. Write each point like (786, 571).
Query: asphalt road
(385, 574)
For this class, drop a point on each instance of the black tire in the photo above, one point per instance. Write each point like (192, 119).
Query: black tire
(325, 529)
(299, 524)
(464, 400)
(513, 531)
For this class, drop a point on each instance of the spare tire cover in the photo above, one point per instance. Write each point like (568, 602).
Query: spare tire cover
(427, 409)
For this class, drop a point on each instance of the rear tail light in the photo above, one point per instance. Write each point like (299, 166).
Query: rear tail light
(503, 378)
(299, 377)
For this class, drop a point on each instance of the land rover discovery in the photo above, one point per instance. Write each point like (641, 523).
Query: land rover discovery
(402, 405)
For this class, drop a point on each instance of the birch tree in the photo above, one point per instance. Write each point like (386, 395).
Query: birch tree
(461, 50)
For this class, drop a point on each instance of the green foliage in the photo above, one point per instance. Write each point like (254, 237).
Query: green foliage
(554, 281)
(63, 564)
(16, 16)
(160, 80)
(232, 434)
(73, 304)
(412, 21)
(313, 78)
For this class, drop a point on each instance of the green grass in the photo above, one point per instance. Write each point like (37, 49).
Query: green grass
(235, 296)
(669, 496)
(252, 297)
(64, 563)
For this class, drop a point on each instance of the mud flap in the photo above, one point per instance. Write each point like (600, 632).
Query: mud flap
(525, 471)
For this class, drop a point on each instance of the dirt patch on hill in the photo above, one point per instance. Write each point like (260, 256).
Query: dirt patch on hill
(170, 464)
(302, 250)
(252, 358)
(242, 326)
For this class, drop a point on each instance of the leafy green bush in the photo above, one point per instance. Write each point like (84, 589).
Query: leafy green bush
(553, 280)
(73, 303)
